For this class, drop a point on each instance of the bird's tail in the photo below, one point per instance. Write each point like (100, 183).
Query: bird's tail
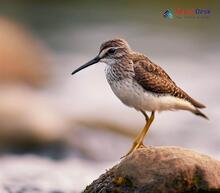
(199, 113)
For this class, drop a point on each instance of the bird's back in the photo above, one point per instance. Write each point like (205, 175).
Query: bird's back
(154, 79)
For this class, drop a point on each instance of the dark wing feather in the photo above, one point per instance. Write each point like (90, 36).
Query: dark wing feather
(154, 79)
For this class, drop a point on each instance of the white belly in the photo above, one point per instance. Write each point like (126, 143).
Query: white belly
(128, 93)
(133, 95)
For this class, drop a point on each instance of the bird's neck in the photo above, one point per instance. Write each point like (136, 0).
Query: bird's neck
(119, 70)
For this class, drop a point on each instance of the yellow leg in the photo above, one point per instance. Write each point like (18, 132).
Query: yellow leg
(145, 130)
(138, 142)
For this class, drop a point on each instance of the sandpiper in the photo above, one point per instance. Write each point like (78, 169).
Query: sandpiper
(141, 84)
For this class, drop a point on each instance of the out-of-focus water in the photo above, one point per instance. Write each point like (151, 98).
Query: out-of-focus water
(188, 49)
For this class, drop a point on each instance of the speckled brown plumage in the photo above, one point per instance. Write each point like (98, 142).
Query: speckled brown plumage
(114, 43)
(154, 79)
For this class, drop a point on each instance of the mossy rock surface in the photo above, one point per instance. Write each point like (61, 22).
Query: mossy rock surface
(160, 170)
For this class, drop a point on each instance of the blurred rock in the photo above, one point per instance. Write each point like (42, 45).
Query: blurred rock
(22, 57)
(28, 117)
(161, 169)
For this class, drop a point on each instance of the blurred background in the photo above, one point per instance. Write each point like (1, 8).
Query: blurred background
(59, 132)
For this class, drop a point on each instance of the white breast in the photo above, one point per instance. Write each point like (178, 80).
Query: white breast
(132, 94)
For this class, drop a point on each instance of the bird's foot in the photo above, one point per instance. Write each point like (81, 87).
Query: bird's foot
(135, 146)
(141, 146)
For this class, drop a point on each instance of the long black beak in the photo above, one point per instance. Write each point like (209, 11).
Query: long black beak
(91, 62)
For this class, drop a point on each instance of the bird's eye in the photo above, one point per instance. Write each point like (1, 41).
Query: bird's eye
(111, 50)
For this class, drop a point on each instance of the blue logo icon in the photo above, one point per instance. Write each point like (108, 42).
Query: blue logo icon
(168, 14)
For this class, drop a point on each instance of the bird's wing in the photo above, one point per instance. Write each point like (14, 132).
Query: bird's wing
(149, 66)
(154, 79)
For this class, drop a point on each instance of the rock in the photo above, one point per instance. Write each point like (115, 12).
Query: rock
(160, 170)
(28, 118)
(23, 57)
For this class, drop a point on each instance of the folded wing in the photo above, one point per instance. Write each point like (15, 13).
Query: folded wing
(154, 79)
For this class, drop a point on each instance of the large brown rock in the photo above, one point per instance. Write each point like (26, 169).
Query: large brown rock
(160, 170)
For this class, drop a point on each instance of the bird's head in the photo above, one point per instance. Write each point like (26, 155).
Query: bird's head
(110, 52)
